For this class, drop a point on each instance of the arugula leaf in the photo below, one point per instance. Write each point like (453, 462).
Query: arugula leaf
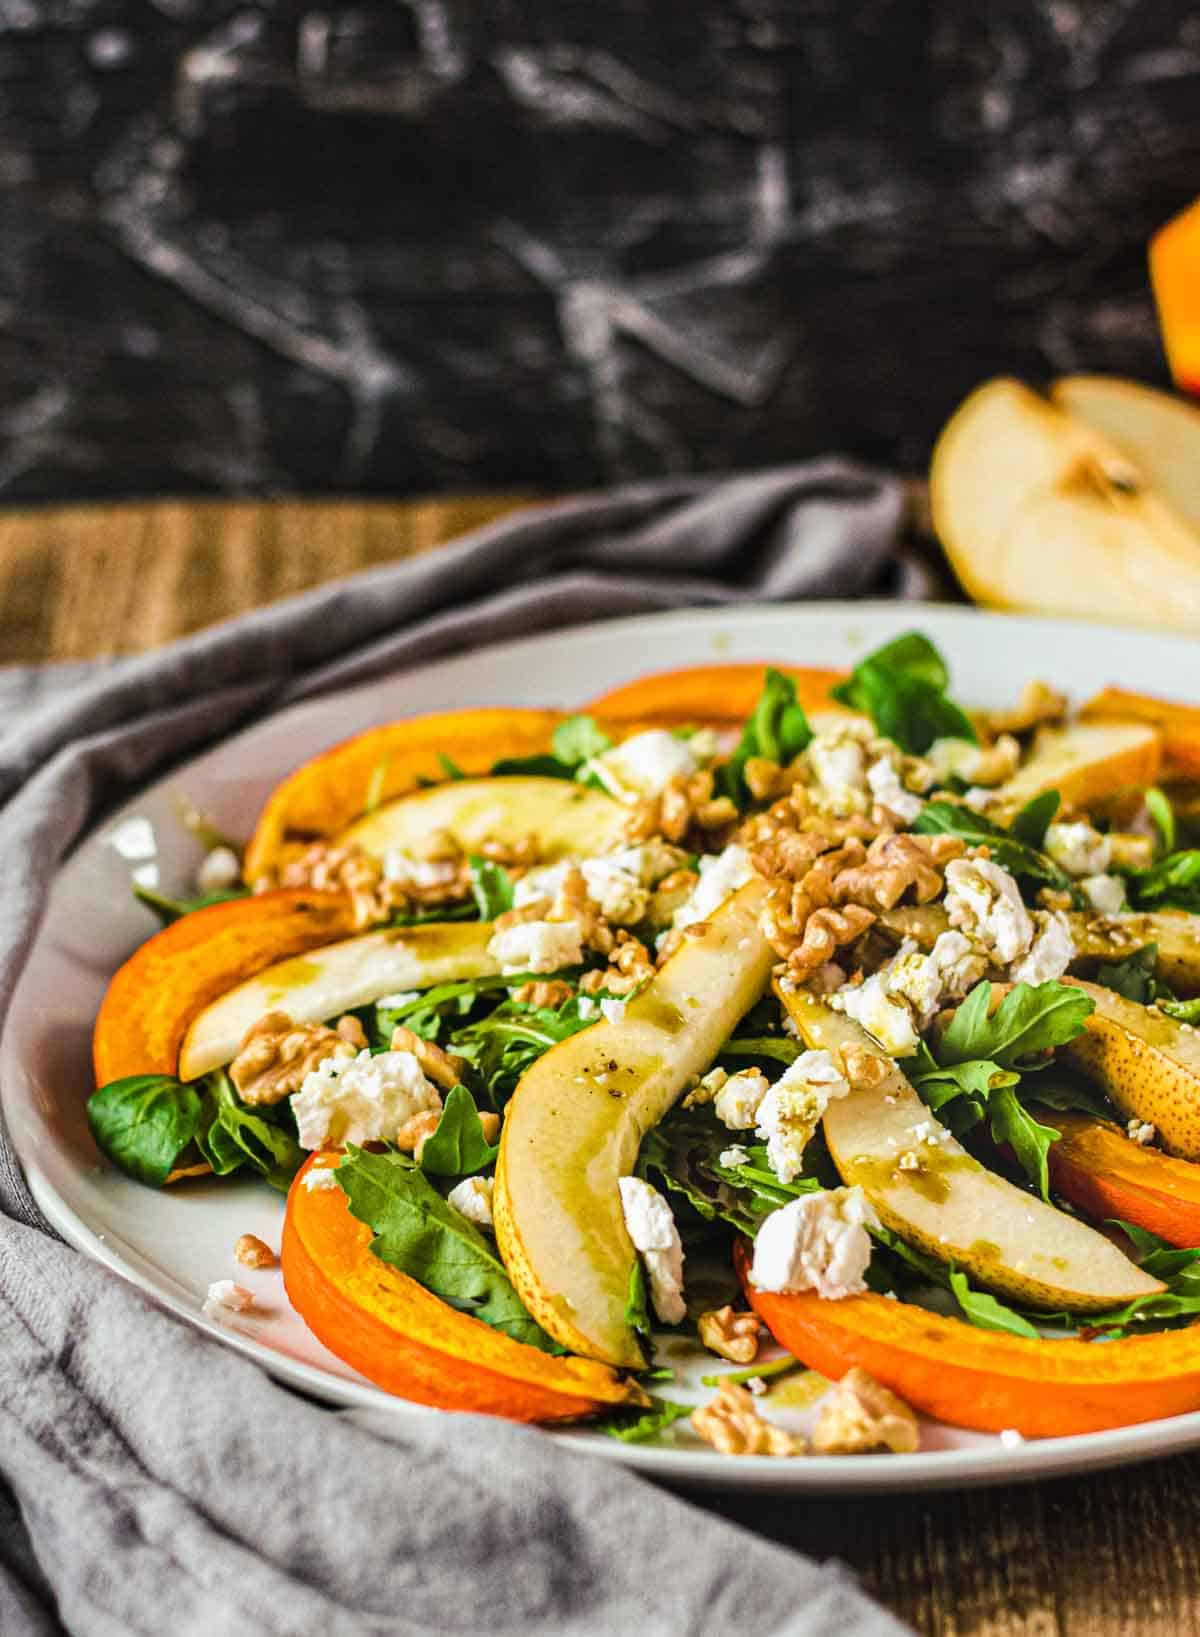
(1035, 818)
(635, 1426)
(144, 1122)
(684, 1150)
(1029, 1140)
(1133, 977)
(1156, 1257)
(174, 909)
(637, 1305)
(578, 739)
(502, 1046)
(416, 1231)
(435, 1012)
(779, 1047)
(1183, 1011)
(492, 887)
(442, 912)
(1030, 1019)
(541, 766)
(777, 728)
(1172, 883)
(902, 687)
(985, 1312)
(458, 1148)
(977, 1078)
(1056, 1087)
(1158, 805)
(1025, 862)
(238, 1135)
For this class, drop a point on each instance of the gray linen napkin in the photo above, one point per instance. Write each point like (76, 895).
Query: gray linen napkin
(156, 1481)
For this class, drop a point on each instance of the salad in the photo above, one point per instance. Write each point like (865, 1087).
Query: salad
(811, 1019)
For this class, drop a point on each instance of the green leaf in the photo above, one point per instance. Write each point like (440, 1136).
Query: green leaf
(637, 1306)
(1026, 863)
(450, 767)
(1030, 1019)
(458, 1148)
(501, 1046)
(144, 1122)
(442, 912)
(435, 1012)
(977, 1078)
(985, 1312)
(1183, 1011)
(1035, 818)
(902, 687)
(1030, 1141)
(636, 1426)
(578, 739)
(778, 1047)
(492, 887)
(174, 909)
(265, 1145)
(1132, 977)
(1158, 805)
(1155, 1256)
(416, 1231)
(1172, 883)
(1056, 1087)
(376, 783)
(753, 1372)
(541, 766)
(777, 728)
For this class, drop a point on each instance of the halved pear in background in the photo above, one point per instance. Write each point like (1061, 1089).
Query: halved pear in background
(1038, 511)
(1157, 432)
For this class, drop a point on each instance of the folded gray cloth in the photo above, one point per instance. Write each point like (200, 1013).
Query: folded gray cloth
(156, 1481)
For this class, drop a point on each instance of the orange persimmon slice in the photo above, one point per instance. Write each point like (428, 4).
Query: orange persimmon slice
(984, 1378)
(171, 978)
(1178, 724)
(1096, 1166)
(408, 1341)
(717, 694)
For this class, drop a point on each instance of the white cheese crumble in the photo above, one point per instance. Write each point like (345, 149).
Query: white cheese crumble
(985, 902)
(953, 759)
(960, 962)
(538, 946)
(645, 764)
(888, 1021)
(738, 1098)
(619, 883)
(224, 1294)
(651, 1226)
(220, 870)
(1050, 953)
(885, 785)
(473, 1197)
(915, 978)
(793, 1107)
(419, 872)
(613, 1009)
(819, 1242)
(736, 1155)
(401, 997)
(1079, 849)
(720, 875)
(364, 1099)
(1011, 1438)
(1141, 1132)
(838, 760)
(1105, 893)
(320, 1177)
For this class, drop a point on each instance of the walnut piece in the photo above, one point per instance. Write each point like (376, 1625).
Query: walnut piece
(860, 1414)
(687, 807)
(730, 1334)
(573, 902)
(629, 965)
(543, 993)
(825, 932)
(731, 1424)
(417, 1130)
(344, 869)
(251, 1252)
(444, 1068)
(276, 1055)
(892, 865)
(1038, 703)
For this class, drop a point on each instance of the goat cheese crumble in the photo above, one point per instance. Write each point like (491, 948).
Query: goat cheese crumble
(1105, 893)
(232, 1298)
(320, 1177)
(1079, 849)
(819, 1242)
(364, 1099)
(887, 1019)
(1050, 953)
(538, 946)
(793, 1107)
(644, 765)
(985, 902)
(651, 1225)
(884, 781)
(721, 874)
(473, 1198)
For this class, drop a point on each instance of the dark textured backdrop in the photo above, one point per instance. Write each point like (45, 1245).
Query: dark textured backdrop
(419, 244)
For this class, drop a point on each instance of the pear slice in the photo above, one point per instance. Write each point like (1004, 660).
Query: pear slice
(577, 1119)
(569, 820)
(1038, 511)
(1099, 939)
(326, 982)
(1087, 762)
(1155, 431)
(1148, 1063)
(948, 1204)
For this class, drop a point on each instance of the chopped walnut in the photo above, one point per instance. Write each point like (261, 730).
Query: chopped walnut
(416, 1132)
(1039, 703)
(629, 965)
(276, 1055)
(514, 855)
(489, 1124)
(345, 869)
(893, 864)
(574, 903)
(687, 806)
(864, 1069)
(731, 1424)
(730, 1334)
(251, 1252)
(859, 1415)
(536, 909)
(825, 932)
(543, 993)
(671, 892)
(437, 847)
(352, 1031)
(768, 781)
(444, 1068)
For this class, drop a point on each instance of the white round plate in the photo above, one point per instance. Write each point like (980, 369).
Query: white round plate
(173, 1244)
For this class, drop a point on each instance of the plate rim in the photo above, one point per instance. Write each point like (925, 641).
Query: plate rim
(924, 1471)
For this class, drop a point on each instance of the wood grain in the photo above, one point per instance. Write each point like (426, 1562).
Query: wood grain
(1109, 1555)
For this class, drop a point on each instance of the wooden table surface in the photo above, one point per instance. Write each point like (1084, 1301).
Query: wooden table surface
(1112, 1553)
